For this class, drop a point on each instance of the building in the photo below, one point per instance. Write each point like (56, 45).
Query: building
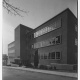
(55, 41)
(21, 42)
(11, 52)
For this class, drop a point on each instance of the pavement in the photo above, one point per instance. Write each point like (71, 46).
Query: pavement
(67, 74)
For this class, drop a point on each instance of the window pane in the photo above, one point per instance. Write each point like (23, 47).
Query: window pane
(53, 55)
(41, 56)
(57, 39)
(45, 56)
(39, 33)
(43, 30)
(36, 34)
(32, 46)
(57, 55)
(49, 55)
(53, 41)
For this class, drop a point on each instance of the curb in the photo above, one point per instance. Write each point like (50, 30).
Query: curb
(67, 74)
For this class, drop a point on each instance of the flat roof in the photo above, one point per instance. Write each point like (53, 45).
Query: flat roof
(67, 9)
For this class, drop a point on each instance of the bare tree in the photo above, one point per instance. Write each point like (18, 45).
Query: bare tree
(12, 9)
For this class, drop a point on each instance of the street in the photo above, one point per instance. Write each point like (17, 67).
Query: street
(14, 74)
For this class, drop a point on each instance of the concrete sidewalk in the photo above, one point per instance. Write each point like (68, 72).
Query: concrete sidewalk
(67, 74)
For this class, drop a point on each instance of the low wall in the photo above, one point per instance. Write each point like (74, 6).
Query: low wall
(64, 66)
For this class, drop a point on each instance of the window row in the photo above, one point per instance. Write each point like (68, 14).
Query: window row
(52, 55)
(52, 41)
(11, 45)
(48, 28)
(11, 51)
(11, 57)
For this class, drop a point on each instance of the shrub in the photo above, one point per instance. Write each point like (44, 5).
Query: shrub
(43, 67)
(54, 68)
(50, 68)
(29, 65)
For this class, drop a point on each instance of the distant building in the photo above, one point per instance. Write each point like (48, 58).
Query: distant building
(11, 52)
(55, 41)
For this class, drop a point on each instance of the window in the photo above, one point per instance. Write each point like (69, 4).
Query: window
(49, 55)
(32, 46)
(76, 28)
(39, 32)
(58, 39)
(11, 51)
(42, 57)
(53, 55)
(42, 31)
(11, 45)
(52, 41)
(45, 56)
(54, 26)
(76, 42)
(34, 35)
(58, 55)
(48, 28)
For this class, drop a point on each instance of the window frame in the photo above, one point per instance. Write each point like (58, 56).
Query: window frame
(54, 55)
(60, 56)
(60, 39)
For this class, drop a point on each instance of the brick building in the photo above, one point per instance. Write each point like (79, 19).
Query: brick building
(55, 41)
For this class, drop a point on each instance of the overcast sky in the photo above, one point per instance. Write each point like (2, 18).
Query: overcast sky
(39, 11)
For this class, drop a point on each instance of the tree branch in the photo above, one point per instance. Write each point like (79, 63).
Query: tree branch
(12, 9)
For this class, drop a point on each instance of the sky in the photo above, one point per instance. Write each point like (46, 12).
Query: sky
(39, 11)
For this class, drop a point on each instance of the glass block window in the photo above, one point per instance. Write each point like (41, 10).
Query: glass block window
(48, 28)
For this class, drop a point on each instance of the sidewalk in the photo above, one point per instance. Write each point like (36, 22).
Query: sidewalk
(67, 74)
